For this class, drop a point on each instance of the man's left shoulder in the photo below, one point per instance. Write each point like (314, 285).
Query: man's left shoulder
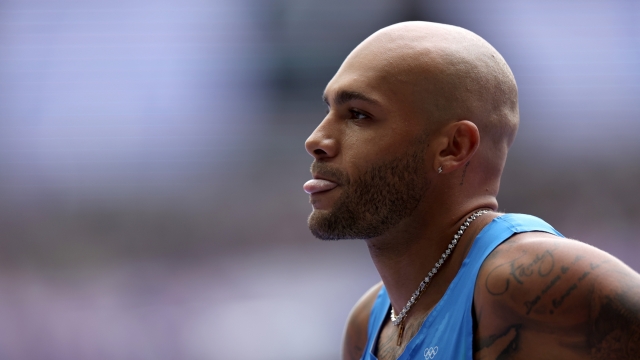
(542, 272)
(537, 283)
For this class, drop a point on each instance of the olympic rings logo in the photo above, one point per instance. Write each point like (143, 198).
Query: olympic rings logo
(430, 353)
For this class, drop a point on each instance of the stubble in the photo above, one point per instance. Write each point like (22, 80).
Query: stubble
(378, 200)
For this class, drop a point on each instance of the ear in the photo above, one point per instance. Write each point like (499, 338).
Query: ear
(460, 140)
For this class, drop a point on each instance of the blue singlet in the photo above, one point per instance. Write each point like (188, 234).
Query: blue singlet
(447, 332)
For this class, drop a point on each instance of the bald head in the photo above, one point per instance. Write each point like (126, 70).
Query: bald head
(420, 119)
(448, 74)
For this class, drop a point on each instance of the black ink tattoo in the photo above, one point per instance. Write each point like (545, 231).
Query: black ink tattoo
(550, 284)
(505, 343)
(532, 303)
(615, 331)
(558, 301)
(542, 264)
(578, 258)
(584, 275)
(529, 305)
(511, 348)
(464, 172)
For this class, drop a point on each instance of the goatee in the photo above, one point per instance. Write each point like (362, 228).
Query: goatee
(378, 200)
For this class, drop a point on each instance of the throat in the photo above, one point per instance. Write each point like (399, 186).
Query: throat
(406, 272)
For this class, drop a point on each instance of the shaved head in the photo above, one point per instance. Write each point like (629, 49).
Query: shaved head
(450, 73)
(421, 117)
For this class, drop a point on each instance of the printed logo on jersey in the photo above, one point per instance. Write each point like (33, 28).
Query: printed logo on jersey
(430, 352)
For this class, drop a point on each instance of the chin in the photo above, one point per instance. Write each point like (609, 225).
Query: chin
(317, 224)
(326, 225)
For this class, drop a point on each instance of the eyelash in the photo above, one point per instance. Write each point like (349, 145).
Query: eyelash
(354, 114)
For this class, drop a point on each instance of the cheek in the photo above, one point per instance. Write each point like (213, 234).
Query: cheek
(359, 160)
(366, 151)
(374, 139)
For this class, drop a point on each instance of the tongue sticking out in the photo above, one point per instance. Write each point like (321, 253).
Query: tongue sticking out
(318, 185)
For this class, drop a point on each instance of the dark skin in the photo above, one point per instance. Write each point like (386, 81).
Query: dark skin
(578, 301)
(537, 296)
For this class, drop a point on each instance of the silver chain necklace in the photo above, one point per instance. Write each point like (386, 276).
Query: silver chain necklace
(399, 320)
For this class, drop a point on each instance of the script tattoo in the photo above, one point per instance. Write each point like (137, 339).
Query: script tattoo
(530, 304)
(542, 265)
(557, 302)
(533, 302)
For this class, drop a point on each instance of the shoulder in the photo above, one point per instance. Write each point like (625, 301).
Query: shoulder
(536, 263)
(537, 283)
(355, 333)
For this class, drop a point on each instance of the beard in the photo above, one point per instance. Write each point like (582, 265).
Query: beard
(378, 200)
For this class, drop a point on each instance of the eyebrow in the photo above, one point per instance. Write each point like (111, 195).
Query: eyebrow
(343, 97)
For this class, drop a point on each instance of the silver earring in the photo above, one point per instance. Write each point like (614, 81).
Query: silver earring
(439, 169)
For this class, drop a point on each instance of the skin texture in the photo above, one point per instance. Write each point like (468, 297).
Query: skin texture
(417, 97)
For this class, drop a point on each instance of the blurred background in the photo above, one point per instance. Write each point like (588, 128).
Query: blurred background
(152, 162)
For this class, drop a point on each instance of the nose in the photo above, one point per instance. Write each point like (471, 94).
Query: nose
(322, 144)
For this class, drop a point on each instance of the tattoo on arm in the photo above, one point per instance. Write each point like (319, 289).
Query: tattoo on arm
(542, 265)
(504, 344)
(614, 321)
(530, 304)
(615, 330)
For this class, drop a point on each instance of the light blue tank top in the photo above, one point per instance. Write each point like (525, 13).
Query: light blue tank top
(447, 332)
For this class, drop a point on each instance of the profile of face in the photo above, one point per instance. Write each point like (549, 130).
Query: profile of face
(369, 168)
(406, 87)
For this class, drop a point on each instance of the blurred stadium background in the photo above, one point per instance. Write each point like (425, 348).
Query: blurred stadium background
(152, 159)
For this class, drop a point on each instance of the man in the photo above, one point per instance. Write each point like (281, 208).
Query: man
(409, 157)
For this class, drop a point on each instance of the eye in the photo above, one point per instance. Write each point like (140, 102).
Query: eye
(357, 115)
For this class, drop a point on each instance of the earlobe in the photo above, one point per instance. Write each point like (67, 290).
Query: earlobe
(463, 139)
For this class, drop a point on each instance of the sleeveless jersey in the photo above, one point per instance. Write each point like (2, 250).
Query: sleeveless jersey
(447, 332)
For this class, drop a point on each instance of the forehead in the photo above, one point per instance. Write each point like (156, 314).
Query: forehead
(371, 75)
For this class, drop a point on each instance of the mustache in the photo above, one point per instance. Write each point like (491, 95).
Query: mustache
(330, 172)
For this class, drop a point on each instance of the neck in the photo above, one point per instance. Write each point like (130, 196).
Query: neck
(405, 255)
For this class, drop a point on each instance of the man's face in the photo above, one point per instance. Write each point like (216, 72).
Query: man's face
(370, 168)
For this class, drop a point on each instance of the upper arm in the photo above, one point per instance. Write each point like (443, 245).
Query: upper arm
(355, 333)
(614, 326)
(540, 289)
